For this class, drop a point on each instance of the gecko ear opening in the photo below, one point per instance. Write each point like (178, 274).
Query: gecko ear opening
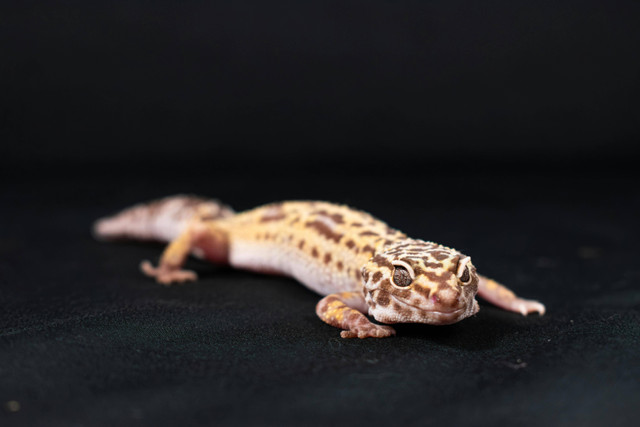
(463, 270)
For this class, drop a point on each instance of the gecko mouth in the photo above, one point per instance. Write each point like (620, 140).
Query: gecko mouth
(445, 313)
(435, 317)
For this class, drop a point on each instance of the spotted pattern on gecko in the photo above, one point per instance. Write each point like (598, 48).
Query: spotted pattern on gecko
(361, 266)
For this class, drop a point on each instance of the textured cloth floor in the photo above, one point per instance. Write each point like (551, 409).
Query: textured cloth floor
(85, 339)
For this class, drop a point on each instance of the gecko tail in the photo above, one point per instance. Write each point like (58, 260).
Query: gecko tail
(160, 220)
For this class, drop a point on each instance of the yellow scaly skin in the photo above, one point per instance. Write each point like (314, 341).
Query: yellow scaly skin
(361, 265)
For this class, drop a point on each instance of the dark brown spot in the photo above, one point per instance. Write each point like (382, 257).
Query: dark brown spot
(314, 253)
(369, 233)
(433, 265)
(358, 275)
(436, 278)
(332, 298)
(353, 317)
(301, 244)
(376, 277)
(273, 213)
(439, 255)
(350, 244)
(339, 265)
(382, 262)
(356, 224)
(385, 284)
(368, 248)
(324, 230)
(327, 258)
(268, 218)
(383, 299)
(404, 245)
(337, 218)
(422, 290)
(442, 286)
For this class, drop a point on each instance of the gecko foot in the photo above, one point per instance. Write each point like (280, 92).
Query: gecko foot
(370, 330)
(526, 306)
(166, 276)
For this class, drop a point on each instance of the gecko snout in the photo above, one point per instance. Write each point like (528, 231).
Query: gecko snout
(448, 297)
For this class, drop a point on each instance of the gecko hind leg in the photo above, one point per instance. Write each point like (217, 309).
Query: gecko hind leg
(345, 310)
(200, 236)
(503, 297)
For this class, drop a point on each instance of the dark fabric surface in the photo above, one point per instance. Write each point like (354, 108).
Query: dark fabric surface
(85, 339)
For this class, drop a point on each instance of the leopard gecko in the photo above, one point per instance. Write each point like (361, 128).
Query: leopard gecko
(360, 266)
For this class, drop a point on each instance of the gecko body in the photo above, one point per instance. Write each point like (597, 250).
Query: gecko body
(359, 264)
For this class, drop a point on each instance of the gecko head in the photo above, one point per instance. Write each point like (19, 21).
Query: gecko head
(420, 282)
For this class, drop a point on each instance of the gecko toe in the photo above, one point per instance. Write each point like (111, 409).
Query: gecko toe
(147, 268)
(523, 309)
(526, 306)
(373, 331)
(540, 308)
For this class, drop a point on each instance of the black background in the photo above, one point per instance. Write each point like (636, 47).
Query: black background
(503, 129)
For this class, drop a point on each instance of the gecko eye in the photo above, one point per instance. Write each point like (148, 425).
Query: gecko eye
(463, 271)
(403, 274)
(466, 276)
(401, 277)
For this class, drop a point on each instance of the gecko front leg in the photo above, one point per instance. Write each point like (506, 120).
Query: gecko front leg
(199, 234)
(503, 297)
(345, 310)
